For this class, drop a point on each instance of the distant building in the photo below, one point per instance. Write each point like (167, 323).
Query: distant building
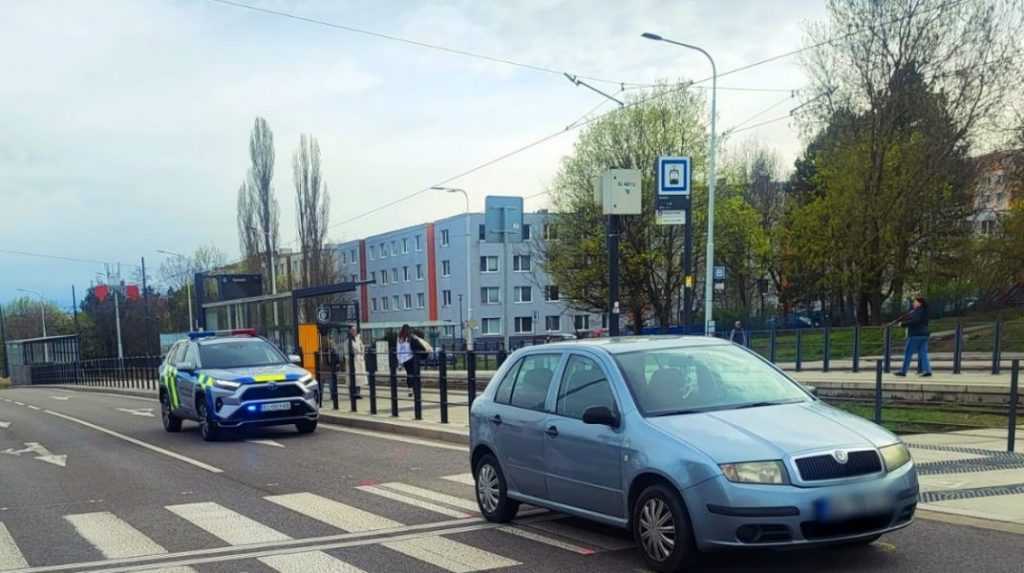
(417, 276)
(995, 187)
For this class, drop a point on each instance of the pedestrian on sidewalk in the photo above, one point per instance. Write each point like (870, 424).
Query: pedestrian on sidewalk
(411, 349)
(737, 334)
(916, 323)
(357, 351)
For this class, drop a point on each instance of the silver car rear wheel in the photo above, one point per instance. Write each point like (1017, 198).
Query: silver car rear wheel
(487, 488)
(492, 491)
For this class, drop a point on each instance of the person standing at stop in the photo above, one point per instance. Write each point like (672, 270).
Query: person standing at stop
(737, 334)
(410, 348)
(916, 324)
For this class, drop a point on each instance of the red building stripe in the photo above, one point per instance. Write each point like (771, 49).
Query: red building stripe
(364, 296)
(431, 274)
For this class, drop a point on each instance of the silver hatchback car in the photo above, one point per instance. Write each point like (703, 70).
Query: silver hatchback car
(693, 443)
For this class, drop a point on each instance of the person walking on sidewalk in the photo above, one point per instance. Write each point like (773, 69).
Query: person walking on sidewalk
(356, 352)
(916, 324)
(410, 348)
(737, 334)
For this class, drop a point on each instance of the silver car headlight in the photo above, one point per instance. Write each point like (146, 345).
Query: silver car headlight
(226, 384)
(895, 456)
(770, 472)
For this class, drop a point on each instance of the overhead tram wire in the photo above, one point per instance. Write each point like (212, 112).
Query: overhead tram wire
(63, 258)
(583, 122)
(417, 43)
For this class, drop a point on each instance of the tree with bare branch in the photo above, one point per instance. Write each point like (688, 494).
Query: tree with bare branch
(312, 203)
(257, 205)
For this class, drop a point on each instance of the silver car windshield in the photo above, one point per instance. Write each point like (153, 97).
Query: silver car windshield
(701, 379)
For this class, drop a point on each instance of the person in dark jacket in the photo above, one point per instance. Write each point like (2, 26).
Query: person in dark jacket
(410, 349)
(916, 324)
(737, 334)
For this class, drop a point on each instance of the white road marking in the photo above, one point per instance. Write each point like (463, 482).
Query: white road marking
(266, 443)
(333, 513)
(547, 540)
(144, 412)
(412, 501)
(395, 438)
(10, 555)
(4, 425)
(309, 562)
(237, 529)
(228, 526)
(31, 407)
(19, 403)
(112, 536)
(432, 495)
(466, 478)
(584, 535)
(450, 555)
(61, 397)
(139, 443)
(41, 453)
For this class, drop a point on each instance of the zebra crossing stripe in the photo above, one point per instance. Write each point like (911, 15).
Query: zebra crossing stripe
(466, 479)
(525, 534)
(309, 562)
(432, 495)
(112, 536)
(10, 555)
(412, 501)
(450, 555)
(333, 513)
(228, 526)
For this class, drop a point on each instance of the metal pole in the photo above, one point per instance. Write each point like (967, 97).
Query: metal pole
(191, 322)
(878, 391)
(828, 350)
(958, 348)
(799, 360)
(687, 267)
(856, 348)
(1011, 435)
(613, 275)
(887, 351)
(117, 319)
(996, 355)
(5, 371)
(469, 279)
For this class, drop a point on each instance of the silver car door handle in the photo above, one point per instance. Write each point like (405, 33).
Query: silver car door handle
(552, 431)
(496, 419)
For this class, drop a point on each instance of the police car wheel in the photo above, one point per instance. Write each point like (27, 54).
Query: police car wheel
(207, 427)
(171, 422)
(306, 427)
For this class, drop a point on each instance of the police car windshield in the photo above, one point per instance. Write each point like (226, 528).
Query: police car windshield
(239, 353)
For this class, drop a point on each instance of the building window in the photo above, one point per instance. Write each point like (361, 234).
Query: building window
(354, 277)
(483, 233)
(523, 294)
(446, 268)
(383, 277)
(419, 272)
(521, 263)
(553, 323)
(383, 250)
(373, 252)
(405, 246)
(352, 255)
(394, 274)
(490, 295)
(490, 326)
(526, 232)
(418, 242)
(582, 322)
(446, 298)
(394, 302)
(524, 324)
(373, 301)
(551, 293)
(405, 274)
(488, 264)
(384, 303)
(344, 258)
(421, 300)
(550, 234)
(444, 237)
(394, 248)
(408, 301)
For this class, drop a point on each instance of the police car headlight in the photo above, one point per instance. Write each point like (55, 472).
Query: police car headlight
(226, 384)
(308, 382)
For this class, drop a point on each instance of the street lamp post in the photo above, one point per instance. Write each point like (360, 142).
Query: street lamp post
(42, 310)
(710, 256)
(188, 284)
(469, 267)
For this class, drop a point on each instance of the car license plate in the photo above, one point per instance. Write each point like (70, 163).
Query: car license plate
(276, 407)
(851, 505)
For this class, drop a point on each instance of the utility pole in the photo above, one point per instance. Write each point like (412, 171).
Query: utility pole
(74, 309)
(613, 275)
(5, 371)
(468, 330)
(145, 308)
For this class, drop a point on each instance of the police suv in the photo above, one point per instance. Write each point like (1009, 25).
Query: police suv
(234, 379)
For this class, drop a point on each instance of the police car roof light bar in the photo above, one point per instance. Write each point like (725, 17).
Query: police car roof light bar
(201, 334)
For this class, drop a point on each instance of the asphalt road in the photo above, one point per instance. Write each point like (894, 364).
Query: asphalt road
(130, 497)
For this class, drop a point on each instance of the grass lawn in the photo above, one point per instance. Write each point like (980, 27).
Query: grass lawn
(5, 382)
(919, 420)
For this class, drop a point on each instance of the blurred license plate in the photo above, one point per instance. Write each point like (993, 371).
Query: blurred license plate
(276, 407)
(851, 505)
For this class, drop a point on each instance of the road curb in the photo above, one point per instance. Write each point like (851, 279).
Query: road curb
(423, 429)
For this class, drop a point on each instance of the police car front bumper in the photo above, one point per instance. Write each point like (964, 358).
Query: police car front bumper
(265, 405)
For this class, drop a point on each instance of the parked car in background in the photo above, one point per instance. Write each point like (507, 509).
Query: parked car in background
(693, 443)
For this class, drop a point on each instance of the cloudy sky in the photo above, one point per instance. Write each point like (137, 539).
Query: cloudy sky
(126, 122)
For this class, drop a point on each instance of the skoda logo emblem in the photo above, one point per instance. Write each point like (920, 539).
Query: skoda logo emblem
(272, 386)
(841, 456)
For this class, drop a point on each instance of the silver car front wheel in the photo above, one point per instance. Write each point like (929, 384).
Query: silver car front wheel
(662, 529)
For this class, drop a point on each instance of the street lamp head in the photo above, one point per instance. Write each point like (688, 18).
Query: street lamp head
(652, 36)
